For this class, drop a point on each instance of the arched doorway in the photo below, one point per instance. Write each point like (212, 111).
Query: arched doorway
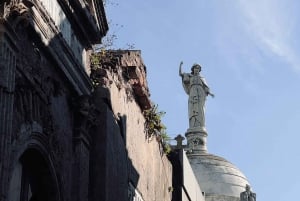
(32, 179)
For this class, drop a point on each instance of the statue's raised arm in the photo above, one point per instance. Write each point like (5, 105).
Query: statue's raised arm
(180, 70)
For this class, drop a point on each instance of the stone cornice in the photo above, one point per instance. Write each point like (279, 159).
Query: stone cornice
(90, 28)
(60, 51)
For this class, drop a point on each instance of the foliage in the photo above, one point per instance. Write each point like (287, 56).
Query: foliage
(105, 59)
(102, 57)
(165, 142)
(103, 53)
(154, 127)
(95, 60)
(153, 121)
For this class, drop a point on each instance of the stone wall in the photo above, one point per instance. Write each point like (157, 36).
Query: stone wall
(123, 88)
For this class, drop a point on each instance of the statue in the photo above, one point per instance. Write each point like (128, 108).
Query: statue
(248, 195)
(195, 86)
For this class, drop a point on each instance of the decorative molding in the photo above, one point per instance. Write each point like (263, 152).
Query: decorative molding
(95, 26)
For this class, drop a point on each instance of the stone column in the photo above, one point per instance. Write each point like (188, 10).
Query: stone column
(7, 87)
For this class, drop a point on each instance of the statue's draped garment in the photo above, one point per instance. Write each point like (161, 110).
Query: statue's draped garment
(197, 89)
(248, 196)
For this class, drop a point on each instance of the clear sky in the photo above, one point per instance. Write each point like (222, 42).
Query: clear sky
(250, 56)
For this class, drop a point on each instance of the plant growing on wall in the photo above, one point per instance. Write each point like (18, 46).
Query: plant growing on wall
(100, 62)
(155, 128)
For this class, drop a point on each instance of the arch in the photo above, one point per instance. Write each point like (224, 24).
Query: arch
(34, 177)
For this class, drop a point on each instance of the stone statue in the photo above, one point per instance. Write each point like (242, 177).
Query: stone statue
(247, 195)
(195, 86)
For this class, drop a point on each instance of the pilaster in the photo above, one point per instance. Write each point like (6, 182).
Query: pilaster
(81, 144)
(7, 87)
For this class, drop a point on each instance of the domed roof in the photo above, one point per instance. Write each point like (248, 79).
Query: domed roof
(217, 177)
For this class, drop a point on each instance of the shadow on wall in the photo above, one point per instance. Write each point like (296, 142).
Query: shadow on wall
(113, 176)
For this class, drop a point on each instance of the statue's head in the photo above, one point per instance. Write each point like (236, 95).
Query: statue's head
(248, 187)
(196, 68)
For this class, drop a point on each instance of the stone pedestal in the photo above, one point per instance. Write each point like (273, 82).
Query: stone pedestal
(196, 140)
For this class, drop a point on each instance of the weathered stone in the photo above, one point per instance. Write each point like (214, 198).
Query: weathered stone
(217, 177)
(127, 70)
(44, 138)
(195, 86)
(149, 173)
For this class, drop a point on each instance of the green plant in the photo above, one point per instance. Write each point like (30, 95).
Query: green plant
(153, 124)
(155, 127)
(167, 148)
(95, 60)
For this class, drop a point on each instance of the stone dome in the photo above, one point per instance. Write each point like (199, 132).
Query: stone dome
(218, 178)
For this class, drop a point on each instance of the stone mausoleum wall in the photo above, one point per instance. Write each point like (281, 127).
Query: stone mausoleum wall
(134, 165)
(44, 104)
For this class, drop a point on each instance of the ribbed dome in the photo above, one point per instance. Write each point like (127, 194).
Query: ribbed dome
(217, 177)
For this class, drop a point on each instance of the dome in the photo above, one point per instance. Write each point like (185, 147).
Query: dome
(218, 178)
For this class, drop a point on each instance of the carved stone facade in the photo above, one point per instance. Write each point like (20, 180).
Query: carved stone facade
(45, 115)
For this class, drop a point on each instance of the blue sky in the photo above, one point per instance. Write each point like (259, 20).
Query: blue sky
(249, 52)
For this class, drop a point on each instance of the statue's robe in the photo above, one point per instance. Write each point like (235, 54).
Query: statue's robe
(197, 89)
